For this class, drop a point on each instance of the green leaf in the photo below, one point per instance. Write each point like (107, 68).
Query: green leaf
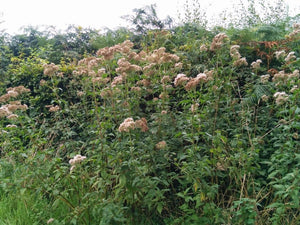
(159, 208)
(22, 191)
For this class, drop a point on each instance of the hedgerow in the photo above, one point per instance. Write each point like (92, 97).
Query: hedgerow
(202, 131)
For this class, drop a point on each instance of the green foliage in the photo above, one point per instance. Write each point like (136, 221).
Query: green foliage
(110, 38)
(172, 128)
(145, 19)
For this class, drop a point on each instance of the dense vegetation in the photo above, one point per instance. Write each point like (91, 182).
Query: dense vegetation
(161, 124)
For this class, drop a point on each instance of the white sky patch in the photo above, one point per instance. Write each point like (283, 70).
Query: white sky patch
(92, 13)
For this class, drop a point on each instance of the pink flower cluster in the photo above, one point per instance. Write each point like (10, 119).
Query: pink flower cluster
(13, 92)
(218, 41)
(76, 160)
(130, 124)
(8, 109)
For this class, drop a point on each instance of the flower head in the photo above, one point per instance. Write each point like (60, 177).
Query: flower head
(143, 82)
(54, 108)
(240, 62)
(76, 160)
(203, 48)
(281, 97)
(178, 65)
(234, 52)
(161, 145)
(218, 41)
(4, 111)
(294, 88)
(142, 124)
(12, 116)
(50, 69)
(136, 89)
(201, 77)
(264, 98)
(165, 79)
(180, 79)
(117, 80)
(291, 56)
(279, 54)
(256, 64)
(264, 78)
(295, 32)
(194, 107)
(127, 125)
(163, 95)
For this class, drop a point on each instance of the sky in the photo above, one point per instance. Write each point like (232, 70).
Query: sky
(97, 14)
